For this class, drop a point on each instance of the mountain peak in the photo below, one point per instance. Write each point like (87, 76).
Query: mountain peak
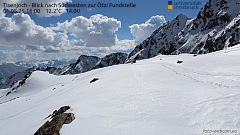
(181, 16)
(215, 27)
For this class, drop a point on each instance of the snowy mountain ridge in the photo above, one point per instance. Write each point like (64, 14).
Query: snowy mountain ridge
(184, 94)
(83, 64)
(7, 74)
(216, 27)
(7, 69)
(86, 63)
(8, 81)
(152, 96)
(160, 42)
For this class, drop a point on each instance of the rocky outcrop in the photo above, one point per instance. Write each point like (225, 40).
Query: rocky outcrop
(59, 117)
(8, 69)
(16, 84)
(86, 63)
(94, 80)
(216, 27)
(111, 59)
(14, 78)
(161, 40)
(83, 64)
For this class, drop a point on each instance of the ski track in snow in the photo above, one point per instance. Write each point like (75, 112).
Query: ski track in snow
(189, 73)
(42, 100)
(148, 97)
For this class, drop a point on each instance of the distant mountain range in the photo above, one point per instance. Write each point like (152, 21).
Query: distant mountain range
(216, 27)
(44, 63)
(9, 73)
(83, 64)
(87, 63)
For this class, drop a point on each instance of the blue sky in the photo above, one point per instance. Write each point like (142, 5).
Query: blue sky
(120, 19)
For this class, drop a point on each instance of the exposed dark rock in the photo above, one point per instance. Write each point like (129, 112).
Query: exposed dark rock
(179, 62)
(69, 118)
(217, 19)
(60, 111)
(94, 79)
(13, 83)
(8, 100)
(111, 59)
(21, 82)
(8, 93)
(13, 79)
(134, 61)
(58, 119)
(86, 63)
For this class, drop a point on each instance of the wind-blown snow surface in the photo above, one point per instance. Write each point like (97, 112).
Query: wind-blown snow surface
(154, 96)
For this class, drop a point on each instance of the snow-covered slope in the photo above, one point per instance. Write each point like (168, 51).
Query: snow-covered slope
(154, 96)
(216, 27)
(83, 64)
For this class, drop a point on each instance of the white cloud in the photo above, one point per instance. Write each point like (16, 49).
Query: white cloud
(43, 11)
(93, 36)
(144, 30)
(69, 52)
(21, 30)
(97, 31)
(77, 42)
(7, 55)
(25, 55)
(123, 45)
(2, 14)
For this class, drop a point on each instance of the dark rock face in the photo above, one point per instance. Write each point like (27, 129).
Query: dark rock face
(179, 61)
(111, 59)
(21, 82)
(86, 63)
(215, 28)
(94, 80)
(12, 79)
(58, 119)
(60, 111)
(161, 41)
(83, 64)
(8, 69)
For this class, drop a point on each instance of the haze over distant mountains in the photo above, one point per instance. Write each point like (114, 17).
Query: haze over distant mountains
(182, 80)
(216, 27)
